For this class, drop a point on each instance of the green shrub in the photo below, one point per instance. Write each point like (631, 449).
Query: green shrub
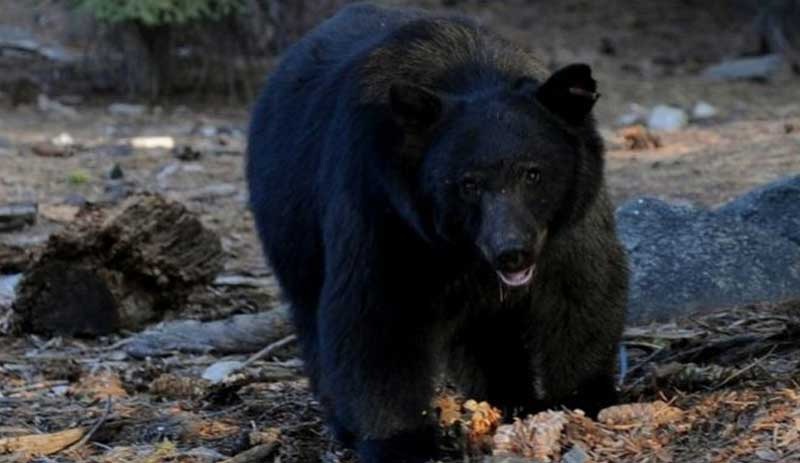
(154, 13)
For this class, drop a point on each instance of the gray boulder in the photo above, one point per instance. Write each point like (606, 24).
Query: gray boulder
(774, 207)
(687, 260)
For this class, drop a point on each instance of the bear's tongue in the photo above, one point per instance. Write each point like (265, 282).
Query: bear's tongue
(520, 278)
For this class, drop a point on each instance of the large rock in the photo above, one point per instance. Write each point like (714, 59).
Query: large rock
(688, 260)
(775, 207)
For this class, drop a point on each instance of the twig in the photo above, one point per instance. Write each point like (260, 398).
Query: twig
(95, 427)
(643, 345)
(268, 350)
(254, 455)
(749, 367)
(116, 345)
(644, 362)
(36, 386)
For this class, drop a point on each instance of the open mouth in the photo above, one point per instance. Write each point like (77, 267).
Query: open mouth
(521, 278)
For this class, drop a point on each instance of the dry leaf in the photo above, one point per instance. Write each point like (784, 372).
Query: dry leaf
(267, 436)
(100, 386)
(211, 429)
(179, 387)
(651, 413)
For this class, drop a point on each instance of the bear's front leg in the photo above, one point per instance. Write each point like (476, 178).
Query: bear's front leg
(376, 377)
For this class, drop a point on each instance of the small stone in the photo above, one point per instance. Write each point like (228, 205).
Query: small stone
(8, 288)
(636, 114)
(63, 139)
(127, 109)
(220, 370)
(768, 455)
(575, 455)
(60, 391)
(703, 110)
(46, 105)
(193, 168)
(187, 153)
(49, 150)
(667, 118)
(208, 131)
(150, 143)
(5, 147)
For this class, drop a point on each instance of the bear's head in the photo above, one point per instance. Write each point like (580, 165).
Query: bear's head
(500, 171)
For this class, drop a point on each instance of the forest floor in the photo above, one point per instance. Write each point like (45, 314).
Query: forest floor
(732, 375)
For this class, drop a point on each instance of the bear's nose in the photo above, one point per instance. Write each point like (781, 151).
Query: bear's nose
(514, 260)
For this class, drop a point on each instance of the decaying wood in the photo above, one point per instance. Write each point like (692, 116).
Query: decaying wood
(12, 258)
(118, 268)
(17, 216)
(238, 334)
(41, 444)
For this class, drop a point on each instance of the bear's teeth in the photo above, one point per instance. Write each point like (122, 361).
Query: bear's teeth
(517, 278)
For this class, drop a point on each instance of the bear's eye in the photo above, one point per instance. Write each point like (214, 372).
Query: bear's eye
(469, 187)
(533, 175)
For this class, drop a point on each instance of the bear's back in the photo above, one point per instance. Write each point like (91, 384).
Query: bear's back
(442, 52)
(340, 40)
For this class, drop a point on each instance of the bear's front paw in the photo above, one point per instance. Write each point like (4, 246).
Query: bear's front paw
(417, 446)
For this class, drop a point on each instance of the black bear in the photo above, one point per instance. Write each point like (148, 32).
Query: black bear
(432, 201)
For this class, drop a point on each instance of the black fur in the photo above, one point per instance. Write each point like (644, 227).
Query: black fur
(399, 164)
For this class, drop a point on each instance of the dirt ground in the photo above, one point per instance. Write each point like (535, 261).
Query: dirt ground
(732, 375)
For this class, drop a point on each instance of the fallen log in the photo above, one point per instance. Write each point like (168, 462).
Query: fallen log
(239, 334)
(117, 269)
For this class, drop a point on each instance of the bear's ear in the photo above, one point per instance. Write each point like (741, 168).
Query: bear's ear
(569, 93)
(413, 106)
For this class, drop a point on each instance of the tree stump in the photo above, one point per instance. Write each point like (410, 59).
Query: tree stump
(117, 269)
(13, 259)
